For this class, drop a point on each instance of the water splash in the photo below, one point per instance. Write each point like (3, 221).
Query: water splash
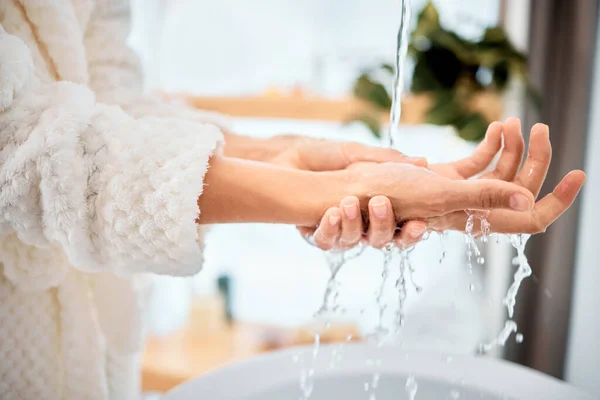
(523, 271)
(336, 259)
(473, 251)
(509, 328)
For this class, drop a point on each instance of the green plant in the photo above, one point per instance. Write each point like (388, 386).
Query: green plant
(452, 71)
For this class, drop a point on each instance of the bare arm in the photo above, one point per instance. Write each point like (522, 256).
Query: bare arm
(247, 191)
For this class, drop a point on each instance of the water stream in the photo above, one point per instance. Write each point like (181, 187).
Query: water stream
(337, 259)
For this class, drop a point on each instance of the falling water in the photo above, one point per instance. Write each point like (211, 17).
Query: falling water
(523, 271)
(401, 287)
(398, 89)
(472, 249)
(381, 331)
(336, 259)
(411, 387)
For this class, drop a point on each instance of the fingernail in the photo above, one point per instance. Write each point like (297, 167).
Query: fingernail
(334, 219)
(417, 233)
(380, 210)
(519, 202)
(351, 211)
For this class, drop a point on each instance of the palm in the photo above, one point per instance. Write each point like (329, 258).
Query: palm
(507, 166)
(531, 176)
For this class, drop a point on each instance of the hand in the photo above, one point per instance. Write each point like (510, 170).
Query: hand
(342, 227)
(506, 168)
(382, 227)
(530, 177)
(414, 193)
(310, 154)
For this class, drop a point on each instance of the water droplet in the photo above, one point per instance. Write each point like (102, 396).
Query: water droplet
(327, 325)
(519, 338)
(471, 287)
(548, 293)
(375, 382)
(515, 261)
(480, 260)
(349, 338)
(454, 394)
(366, 386)
(443, 257)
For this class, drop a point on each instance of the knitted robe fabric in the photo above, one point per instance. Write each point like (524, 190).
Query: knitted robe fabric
(98, 187)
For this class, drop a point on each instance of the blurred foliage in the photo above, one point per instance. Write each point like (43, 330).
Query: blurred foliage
(452, 70)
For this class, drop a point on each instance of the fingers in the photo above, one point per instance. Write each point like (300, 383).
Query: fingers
(412, 232)
(545, 212)
(484, 154)
(484, 194)
(512, 152)
(382, 222)
(356, 152)
(352, 224)
(328, 233)
(536, 165)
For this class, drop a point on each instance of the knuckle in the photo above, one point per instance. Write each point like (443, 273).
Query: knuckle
(487, 198)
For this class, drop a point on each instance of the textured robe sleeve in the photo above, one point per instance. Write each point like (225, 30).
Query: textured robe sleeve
(116, 193)
(115, 73)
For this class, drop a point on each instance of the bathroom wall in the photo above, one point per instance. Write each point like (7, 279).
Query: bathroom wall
(229, 47)
(583, 358)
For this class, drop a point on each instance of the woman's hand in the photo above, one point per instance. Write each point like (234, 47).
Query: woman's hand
(530, 177)
(305, 153)
(506, 168)
(342, 227)
(382, 228)
(246, 191)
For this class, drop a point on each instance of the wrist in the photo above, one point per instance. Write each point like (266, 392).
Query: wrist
(248, 191)
(256, 149)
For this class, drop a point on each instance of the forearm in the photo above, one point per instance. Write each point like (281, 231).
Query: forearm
(257, 149)
(238, 191)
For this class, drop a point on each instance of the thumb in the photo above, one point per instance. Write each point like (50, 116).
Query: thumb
(487, 194)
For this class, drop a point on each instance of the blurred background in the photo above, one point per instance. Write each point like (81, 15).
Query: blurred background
(321, 68)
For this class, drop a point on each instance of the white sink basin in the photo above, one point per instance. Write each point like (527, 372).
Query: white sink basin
(276, 376)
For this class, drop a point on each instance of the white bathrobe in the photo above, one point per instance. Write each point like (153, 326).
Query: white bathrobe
(98, 186)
